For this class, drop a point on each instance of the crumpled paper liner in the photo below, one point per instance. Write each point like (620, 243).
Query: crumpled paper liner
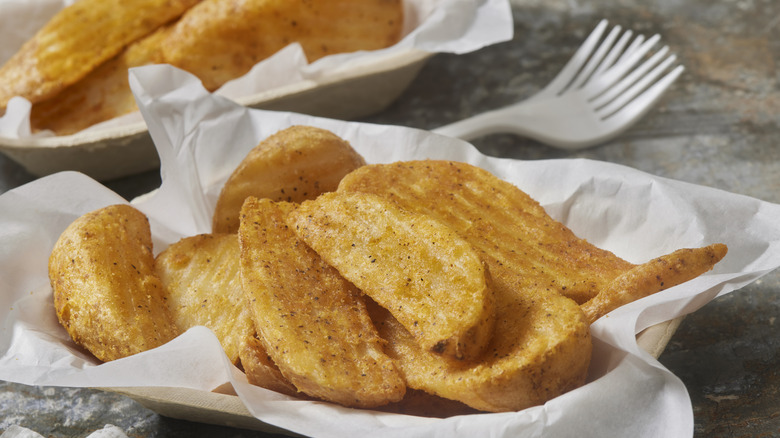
(201, 137)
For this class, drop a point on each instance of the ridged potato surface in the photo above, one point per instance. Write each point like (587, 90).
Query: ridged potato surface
(312, 322)
(540, 271)
(293, 165)
(79, 38)
(201, 281)
(427, 276)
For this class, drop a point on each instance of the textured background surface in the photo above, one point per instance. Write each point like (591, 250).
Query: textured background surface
(718, 126)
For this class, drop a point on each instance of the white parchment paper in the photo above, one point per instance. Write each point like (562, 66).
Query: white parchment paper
(434, 26)
(201, 137)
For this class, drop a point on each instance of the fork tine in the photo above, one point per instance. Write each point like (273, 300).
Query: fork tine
(626, 82)
(636, 88)
(576, 62)
(594, 60)
(637, 108)
(609, 61)
(632, 48)
(617, 71)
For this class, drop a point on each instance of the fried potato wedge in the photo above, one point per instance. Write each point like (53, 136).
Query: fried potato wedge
(106, 292)
(219, 40)
(313, 323)
(512, 231)
(79, 38)
(216, 40)
(261, 370)
(202, 284)
(534, 262)
(540, 350)
(101, 95)
(426, 275)
(293, 165)
(654, 276)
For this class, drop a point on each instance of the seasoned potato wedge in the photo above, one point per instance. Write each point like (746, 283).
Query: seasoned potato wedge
(512, 230)
(201, 281)
(106, 293)
(293, 165)
(312, 322)
(101, 95)
(654, 276)
(535, 263)
(79, 38)
(261, 370)
(426, 275)
(540, 350)
(219, 40)
(75, 69)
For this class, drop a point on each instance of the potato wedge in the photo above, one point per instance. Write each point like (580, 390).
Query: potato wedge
(535, 263)
(426, 275)
(219, 40)
(106, 292)
(79, 38)
(201, 281)
(312, 322)
(101, 95)
(293, 165)
(261, 370)
(512, 230)
(654, 276)
(540, 350)
(216, 40)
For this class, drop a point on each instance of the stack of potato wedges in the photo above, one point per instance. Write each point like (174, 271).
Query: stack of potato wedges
(74, 70)
(423, 287)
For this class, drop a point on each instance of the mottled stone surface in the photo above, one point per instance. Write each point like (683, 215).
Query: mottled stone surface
(719, 126)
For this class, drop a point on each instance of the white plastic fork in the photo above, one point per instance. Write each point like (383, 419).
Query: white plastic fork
(598, 94)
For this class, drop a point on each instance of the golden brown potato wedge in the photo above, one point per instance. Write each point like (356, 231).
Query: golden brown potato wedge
(654, 276)
(534, 262)
(312, 322)
(216, 40)
(106, 293)
(101, 95)
(201, 281)
(293, 165)
(219, 40)
(512, 230)
(79, 38)
(540, 350)
(419, 269)
(261, 370)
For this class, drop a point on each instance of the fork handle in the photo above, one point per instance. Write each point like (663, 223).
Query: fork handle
(489, 122)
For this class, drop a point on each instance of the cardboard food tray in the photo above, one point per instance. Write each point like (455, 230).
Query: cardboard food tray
(121, 151)
(222, 407)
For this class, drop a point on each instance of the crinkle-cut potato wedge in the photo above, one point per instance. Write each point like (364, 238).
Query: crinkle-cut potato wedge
(541, 349)
(201, 281)
(654, 276)
(106, 292)
(261, 370)
(313, 323)
(510, 229)
(101, 95)
(534, 262)
(79, 38)
(427, 276)
(219, 40)
(293, 165)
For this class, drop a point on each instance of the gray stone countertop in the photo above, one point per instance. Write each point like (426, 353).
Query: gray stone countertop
(718, 126)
